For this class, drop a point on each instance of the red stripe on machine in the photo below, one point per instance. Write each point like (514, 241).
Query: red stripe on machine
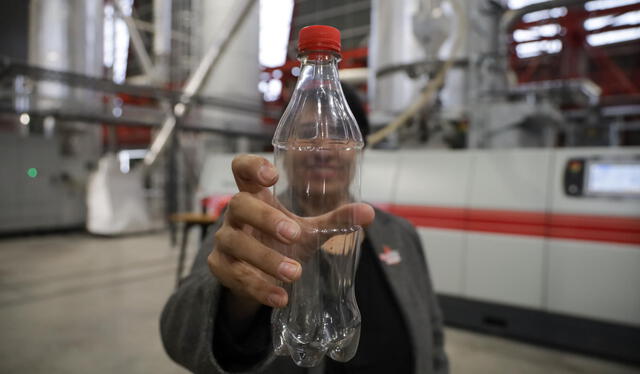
(601, 228)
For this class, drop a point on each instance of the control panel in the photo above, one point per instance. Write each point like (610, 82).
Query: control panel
(602, 177)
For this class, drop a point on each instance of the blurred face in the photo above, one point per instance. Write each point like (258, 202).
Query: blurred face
(321, 171)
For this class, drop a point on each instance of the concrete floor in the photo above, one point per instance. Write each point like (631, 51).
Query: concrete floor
(79, 304)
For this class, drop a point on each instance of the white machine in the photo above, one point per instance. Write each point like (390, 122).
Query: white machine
(538, 244)
(555, 230)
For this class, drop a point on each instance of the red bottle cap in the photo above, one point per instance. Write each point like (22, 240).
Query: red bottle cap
(319, 38)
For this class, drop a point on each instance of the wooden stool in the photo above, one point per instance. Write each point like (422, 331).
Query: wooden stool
(189, 220)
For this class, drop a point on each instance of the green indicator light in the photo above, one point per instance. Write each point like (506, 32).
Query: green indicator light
(32, 172)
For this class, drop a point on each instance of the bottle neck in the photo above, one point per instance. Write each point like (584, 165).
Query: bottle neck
(319, 69)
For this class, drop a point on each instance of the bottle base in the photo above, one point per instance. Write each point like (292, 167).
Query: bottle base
(307, 356)
(345, 349)
(310, 354)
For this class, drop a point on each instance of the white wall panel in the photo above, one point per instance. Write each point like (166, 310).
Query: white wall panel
(504, 268)
(379, 176)
(597, 280)
(510, 179)
(434, 178)
(445, 252)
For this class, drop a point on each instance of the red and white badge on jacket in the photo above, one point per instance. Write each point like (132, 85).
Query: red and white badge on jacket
(390, 256)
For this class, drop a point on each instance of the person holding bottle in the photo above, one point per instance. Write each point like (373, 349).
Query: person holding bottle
(220, 318)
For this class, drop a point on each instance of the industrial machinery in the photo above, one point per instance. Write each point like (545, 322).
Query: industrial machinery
(539, 244)
(511, 73)
(523, 239)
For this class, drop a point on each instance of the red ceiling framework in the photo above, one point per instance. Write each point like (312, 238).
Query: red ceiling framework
(614, 67)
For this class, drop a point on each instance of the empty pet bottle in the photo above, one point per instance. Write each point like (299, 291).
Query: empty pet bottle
(318, 148)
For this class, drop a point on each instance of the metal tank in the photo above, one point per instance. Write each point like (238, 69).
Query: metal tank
(393, 44)
(405, 43)
(65, 35)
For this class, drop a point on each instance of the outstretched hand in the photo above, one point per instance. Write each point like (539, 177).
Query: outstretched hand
(245, 258)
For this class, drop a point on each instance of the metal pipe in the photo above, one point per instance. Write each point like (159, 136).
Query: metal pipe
(10, 70)
(195, 82)
(162, 27)
(162, 37)
(138, 44)
(354, 75)
(91, 117)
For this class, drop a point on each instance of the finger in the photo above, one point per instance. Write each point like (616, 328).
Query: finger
(355, 214)
(253, 173)
(245, 209)
(238, 244)
(244, 279)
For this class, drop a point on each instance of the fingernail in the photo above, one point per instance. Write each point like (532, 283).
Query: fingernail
(288, 230)
(289, 270)
(267, 173)
(277, 300)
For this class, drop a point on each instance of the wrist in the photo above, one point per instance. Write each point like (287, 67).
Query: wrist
(239, 310)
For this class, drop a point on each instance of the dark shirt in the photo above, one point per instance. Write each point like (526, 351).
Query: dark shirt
(384, 347)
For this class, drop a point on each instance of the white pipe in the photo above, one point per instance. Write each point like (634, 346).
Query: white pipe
(354, 75)
(138, 44)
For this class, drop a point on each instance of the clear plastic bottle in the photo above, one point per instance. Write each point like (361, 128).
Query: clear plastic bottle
(318, 148)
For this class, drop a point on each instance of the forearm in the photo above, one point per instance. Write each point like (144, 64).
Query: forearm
(187, 326)
(240, 344)
(239, 312)
(197, 312)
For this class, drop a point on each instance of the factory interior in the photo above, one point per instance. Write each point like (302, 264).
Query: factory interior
(504, 133)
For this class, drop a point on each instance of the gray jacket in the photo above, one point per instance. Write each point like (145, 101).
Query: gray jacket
(187, 322)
